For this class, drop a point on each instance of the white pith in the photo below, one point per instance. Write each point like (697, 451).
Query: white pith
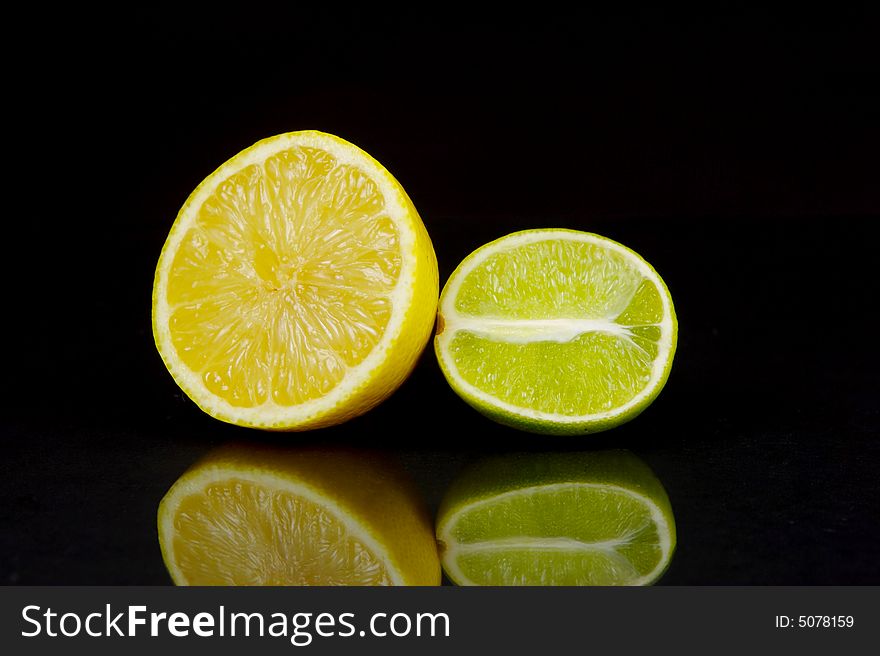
(523, 331)
(197, 484)
(454, 548)
(559, 330)
(270, 414)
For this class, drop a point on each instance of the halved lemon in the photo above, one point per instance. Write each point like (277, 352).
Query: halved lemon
(261, 515)
(297, 286)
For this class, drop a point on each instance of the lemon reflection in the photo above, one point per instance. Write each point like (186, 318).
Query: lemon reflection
(266, 515)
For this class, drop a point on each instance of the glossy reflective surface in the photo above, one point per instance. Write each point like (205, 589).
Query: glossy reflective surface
(747, 179)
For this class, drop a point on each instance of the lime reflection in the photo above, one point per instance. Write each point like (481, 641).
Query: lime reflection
(590, 518)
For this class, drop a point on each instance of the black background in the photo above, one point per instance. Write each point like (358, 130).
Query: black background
(737, 152)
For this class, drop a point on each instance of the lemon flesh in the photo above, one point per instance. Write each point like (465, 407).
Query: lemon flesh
(556, 331)
(252, 515)
(557, 519)
(296, 288)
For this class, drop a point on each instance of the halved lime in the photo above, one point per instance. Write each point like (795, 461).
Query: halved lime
(556, 331)
(557, 519)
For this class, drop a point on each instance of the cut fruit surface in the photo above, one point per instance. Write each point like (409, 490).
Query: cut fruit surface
(556, 331)
(557, 519)
(297, 286)
(251, 515)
